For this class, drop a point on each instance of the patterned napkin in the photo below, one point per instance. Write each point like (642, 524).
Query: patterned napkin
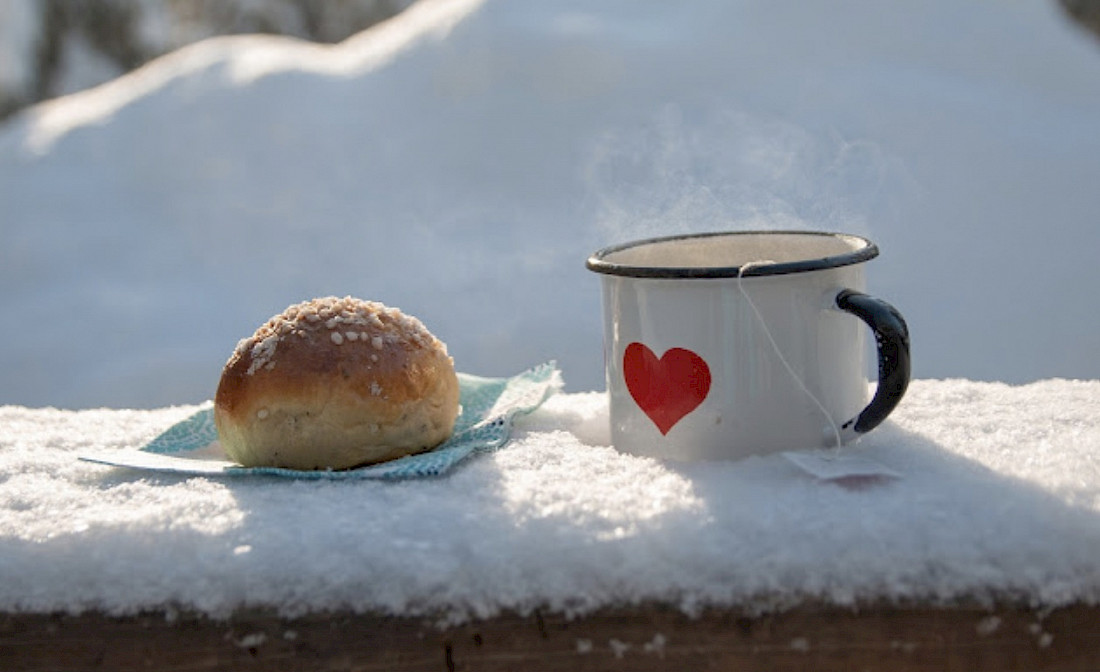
(485, 423)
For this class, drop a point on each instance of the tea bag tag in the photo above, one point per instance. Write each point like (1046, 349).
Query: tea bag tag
(835, 465)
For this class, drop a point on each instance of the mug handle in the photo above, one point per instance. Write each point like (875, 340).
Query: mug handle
(892, 339)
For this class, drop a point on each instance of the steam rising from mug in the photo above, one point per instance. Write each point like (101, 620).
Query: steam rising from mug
(729, 170)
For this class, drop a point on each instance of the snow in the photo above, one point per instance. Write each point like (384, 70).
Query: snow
(461, 162)
(998, 498)
(481, 151)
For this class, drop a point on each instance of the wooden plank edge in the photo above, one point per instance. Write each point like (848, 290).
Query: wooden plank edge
(648, 637)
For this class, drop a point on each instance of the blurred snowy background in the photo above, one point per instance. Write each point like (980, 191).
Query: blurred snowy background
(461, 160)
(50, 48)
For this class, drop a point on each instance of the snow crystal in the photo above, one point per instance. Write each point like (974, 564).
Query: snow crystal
(800, 644)
(988, 625)
(656, 645)
(619, 648)
(251, 641)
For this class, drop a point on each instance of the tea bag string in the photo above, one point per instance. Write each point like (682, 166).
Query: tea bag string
(775, 346)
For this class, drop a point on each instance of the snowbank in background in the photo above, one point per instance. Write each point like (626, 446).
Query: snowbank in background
(999, 499)
(148, 225)
(48, 49)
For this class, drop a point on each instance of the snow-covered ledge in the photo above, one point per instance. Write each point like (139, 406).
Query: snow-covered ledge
(995, 519)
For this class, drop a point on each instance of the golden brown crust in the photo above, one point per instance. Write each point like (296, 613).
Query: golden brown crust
(335, 383)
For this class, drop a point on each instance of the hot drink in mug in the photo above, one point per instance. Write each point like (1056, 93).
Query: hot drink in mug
(723, 345)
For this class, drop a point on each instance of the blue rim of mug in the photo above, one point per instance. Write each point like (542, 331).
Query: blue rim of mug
(599, 264)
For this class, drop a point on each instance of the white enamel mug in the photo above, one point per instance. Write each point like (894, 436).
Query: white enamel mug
(724, 345)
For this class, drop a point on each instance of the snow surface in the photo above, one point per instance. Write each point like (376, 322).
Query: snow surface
(999, 499)
(463, 160)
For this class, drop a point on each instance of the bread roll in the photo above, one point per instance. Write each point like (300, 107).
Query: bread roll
(333, 384)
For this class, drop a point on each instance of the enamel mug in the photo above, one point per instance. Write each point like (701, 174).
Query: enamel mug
(724, 345)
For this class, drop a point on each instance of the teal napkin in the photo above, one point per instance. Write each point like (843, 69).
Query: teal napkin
(488, 407)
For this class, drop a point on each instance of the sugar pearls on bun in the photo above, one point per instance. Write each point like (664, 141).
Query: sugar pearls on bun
(333, 384)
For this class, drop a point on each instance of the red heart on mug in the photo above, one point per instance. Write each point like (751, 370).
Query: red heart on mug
(668, 388)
